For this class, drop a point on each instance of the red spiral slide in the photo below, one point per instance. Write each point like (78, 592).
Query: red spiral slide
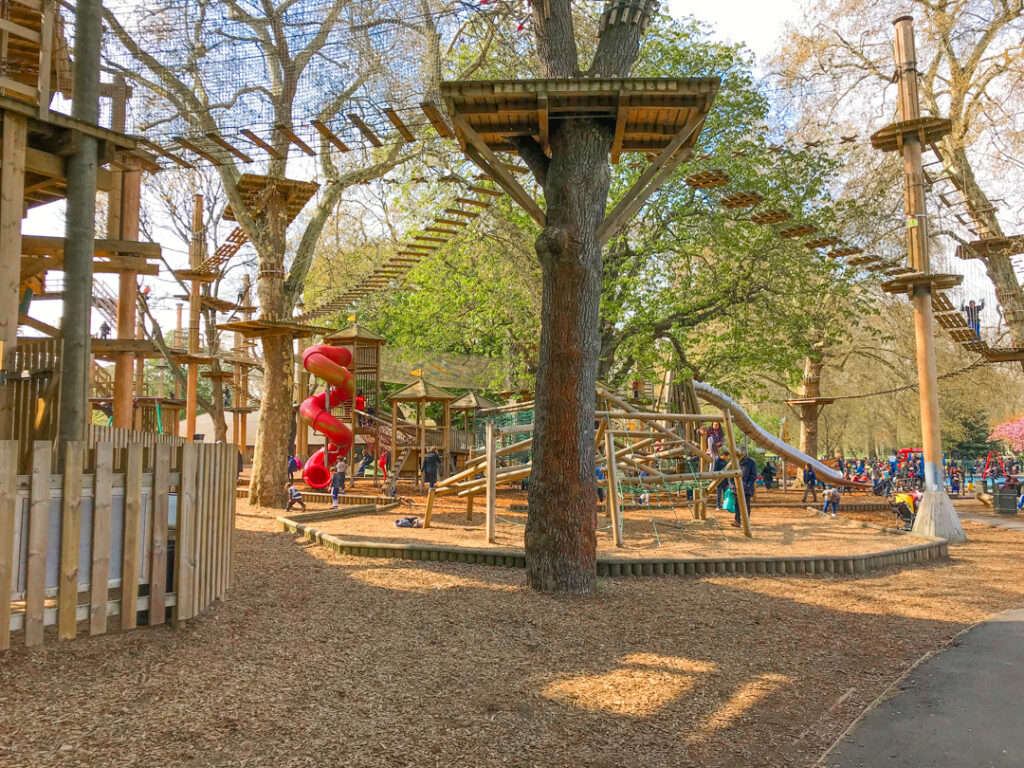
(328, 363)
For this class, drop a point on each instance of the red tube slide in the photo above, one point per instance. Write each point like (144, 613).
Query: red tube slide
(327, 363)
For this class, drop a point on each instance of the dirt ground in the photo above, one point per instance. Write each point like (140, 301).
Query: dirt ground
(316, 659)
(777, 532)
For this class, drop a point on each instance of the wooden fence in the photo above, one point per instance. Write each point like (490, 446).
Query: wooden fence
(117, 533)
(34, 391)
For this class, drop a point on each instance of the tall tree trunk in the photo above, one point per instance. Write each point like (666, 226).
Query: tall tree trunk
(561, 536)
(810, 387)
(274, 425)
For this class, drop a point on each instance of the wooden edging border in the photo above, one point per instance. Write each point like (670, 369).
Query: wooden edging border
(928, 551)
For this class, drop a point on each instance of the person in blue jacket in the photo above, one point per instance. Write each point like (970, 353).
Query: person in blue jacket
(810, 483)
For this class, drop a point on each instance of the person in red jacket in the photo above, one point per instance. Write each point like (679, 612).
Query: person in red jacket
(382, 462)
(361, 406)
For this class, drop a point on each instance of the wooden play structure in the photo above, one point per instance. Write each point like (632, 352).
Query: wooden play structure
(100, 526)
(645, 455)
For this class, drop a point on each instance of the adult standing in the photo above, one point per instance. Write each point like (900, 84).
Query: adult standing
(810, 483)
(748, 479)
(431, 463)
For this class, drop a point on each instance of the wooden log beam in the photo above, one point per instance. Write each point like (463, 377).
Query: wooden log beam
(325, 131)
(221, 142)
(364, 129)
(270, 150)
(400, 125)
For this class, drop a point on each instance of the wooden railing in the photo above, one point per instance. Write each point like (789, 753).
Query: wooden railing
(34, 52)
(118, 532)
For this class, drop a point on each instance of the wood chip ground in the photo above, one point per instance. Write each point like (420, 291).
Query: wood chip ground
(321, 660)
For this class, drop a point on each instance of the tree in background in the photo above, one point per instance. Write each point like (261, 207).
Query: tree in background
(282, 63)
(837, 64)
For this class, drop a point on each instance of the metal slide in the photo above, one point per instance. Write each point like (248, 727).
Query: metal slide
(767, 440)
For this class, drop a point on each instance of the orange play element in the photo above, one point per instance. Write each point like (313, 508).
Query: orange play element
(328, 363)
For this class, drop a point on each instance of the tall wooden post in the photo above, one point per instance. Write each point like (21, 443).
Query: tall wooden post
(490, 433)
(301, 393)
(80, 226)
(394, 443)
(354, 425)
(123, 204)
(447, 438)
(936, 516)
(741, 497)
(421, 422)
(195, 259)
(12, 207)
(612, 477)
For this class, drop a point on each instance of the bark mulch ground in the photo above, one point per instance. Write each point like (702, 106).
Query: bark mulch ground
(316, 659)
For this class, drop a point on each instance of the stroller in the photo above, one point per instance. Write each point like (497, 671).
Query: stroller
(904, 506)
(883, 487)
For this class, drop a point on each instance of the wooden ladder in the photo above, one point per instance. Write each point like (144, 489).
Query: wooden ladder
(396, 469)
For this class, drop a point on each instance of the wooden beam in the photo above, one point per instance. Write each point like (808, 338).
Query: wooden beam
(437, 119)
(48, 245)
(485, 190)
(287, 131)
(364, 129)
(164, 153)
(650, 180)
(270, 150)
(471, 201)
(442, 230)
(478, 151)
(220, 142)
(400, 125)
(460, 212)
(620, 126)
(451, 222)
(542, 122)
(330, 135)
(12, 185)
(183, 142)
(38, 325)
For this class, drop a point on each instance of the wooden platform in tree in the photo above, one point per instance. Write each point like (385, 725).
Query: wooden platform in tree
(927, 130)
(989, 246)
(261, 328)
(658, 117)
(107, 349)
(33, 45)
(256, 190)
(907, 282)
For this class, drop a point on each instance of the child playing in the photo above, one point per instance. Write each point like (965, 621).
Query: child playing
(294, 497)
(832, 497)
(337, 483)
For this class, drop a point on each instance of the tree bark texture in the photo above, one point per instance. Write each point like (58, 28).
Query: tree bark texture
(810, 387)
(561, 538)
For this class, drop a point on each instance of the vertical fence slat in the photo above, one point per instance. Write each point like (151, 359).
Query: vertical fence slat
(38, 528)
(207, 530)
(70, 529)
(185, 546)
(231, 473)
(158, 557)
(101, 505)
(226, 478)
(132, 524)
(8, 508)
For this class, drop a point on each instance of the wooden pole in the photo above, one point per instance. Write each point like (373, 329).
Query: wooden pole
(492, 475)
(195, 259)
(614, 503)
(394, 440)
(12, 208)
(447, 438)
(741, 497)
(421, 421)
(301, 393)
(123, 204)
(354, 426)
(936, 515)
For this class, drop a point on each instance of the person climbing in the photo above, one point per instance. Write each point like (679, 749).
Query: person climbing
(810, 483)
(716, 437)
(104, 330)
(382, 464)
(973, 312)
(364, 464)
(431, 463)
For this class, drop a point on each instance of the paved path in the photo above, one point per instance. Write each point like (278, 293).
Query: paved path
(960, 709)
(1013, 522)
